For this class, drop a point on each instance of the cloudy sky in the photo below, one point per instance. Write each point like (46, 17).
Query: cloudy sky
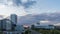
(24, 7)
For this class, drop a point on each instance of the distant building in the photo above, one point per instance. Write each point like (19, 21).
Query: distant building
(57, 27)
(43, 26)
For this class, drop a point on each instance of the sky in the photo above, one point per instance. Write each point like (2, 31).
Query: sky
(24, 7)
(46, 6)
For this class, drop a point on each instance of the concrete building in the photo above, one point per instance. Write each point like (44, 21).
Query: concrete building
(3, 25)
(8, 24)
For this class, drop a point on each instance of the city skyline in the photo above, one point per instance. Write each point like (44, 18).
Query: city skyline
(29, 16)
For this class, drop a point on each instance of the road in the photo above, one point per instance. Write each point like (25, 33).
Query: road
(34, 32)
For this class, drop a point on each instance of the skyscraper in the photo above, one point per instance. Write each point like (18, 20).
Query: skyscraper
(14, 18)
(14, 21)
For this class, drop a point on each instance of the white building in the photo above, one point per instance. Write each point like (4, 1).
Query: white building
(43, 26)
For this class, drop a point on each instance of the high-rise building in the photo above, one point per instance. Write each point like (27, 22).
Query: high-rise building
(14, 18)
(14, 21)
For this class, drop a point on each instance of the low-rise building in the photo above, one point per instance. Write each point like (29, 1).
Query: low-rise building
(43, 26)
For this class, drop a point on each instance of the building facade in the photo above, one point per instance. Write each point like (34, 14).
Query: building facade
(43, 26)
(14, 18)
(3, 25)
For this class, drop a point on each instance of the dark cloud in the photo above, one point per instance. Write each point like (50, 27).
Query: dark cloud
(26, 5)
(29, 3)
(17, 2)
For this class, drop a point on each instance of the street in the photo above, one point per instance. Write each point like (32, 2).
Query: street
(34, 32)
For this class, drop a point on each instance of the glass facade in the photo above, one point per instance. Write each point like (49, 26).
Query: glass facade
(14, 21)
(14, 18)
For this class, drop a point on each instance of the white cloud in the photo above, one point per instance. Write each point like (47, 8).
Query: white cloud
(10, 9)
(7, 8)
(24, 1)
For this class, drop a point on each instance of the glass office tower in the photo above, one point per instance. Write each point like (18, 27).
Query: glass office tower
(14, 21)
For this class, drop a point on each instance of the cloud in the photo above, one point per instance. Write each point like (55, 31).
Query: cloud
(29, 3)
(17, 2)
(25, 3)
(8, 7)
